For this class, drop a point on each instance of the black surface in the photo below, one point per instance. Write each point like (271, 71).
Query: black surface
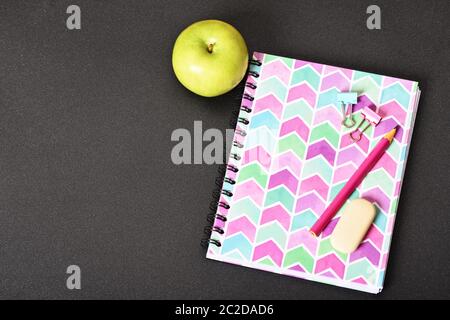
(85, 123)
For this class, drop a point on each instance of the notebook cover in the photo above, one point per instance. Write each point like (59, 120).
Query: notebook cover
(296, 157)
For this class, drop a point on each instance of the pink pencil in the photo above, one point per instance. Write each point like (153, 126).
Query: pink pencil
(352, 183)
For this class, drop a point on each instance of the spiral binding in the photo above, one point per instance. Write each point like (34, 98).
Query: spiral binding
(222, 179)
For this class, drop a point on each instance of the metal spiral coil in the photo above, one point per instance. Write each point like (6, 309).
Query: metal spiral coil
(223, 180)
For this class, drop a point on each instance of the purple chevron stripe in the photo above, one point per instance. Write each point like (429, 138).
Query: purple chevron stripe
(269, 102)
(300, 63)
(330, 227)
(335, 80)
(257, 154)
(330, 114)
(363, 101)
(331, 69)
(393, 109)
(352, 154)
(276, 213)
(303, 238)
(287, 159)
(270, 249)
(249, 189)
(295, 125)
(375, 236)
(302, 91)
(278, 69)
(314, 183)
(310, 201)
(286, 178)
(321, 148)
(376, 195)
(242, 225)
(297, 268)
(346, 141)
(387, 125)
(330, 262)
(366, 250)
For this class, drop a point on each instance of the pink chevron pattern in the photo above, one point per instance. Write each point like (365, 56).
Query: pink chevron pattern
(335, 80)
(285, 178)
(330, 114)
(295, 125)
(322, 148)
(268, 249)
(331, 263)
(259, 155)
(276, 69)
(276, 213)
(315, 183)
(242, 225)
(287, 160)
(269, 102)
(302, 91)
(284, 185)
(249, 189)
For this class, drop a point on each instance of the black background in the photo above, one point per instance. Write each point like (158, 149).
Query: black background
(86, 117)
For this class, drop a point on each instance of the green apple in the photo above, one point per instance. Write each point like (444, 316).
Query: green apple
(210, 57)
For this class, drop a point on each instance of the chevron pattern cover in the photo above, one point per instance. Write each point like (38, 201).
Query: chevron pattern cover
(295, 159)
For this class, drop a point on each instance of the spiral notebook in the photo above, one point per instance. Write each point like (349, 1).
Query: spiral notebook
(290, 158)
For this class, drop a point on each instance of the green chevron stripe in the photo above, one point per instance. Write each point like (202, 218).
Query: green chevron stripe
(397, 92)
(326, 247)
(325, 130)
(282, 195)
(254, 171)
(380, 220)
(394, 150)
(375, 77)
(336, 188)
(394, 205)
(380, 179)
(244, 207)
(362, 268)
(327, 98)
(318, 165)
(272, 85)
(267, 262)
(287, 61)
(302, 220)
(271, 231)
(294, 143)
(368, 87)
(235, 255)
(306, 74)
(299, 256)
(299, 108)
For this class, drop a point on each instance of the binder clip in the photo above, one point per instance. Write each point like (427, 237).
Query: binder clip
(347, 99)
(369, 116)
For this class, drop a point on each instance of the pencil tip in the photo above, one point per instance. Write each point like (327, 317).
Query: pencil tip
(390, 135)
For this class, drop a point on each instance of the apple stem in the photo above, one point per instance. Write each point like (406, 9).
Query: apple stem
(210, 47)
